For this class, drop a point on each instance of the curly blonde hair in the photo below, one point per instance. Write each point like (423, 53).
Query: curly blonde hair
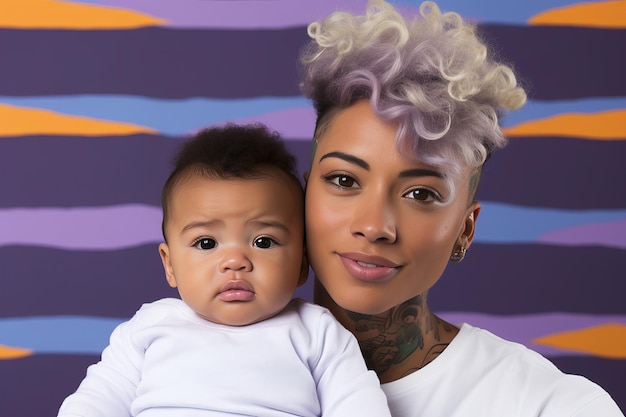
(431, 74)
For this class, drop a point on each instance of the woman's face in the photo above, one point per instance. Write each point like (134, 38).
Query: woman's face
(377, 234)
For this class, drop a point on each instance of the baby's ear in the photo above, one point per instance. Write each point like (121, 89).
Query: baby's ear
(164, 251)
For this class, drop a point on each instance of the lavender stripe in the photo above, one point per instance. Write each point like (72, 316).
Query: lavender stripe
(524, 329)
(295, 123)
(610, 234)
(98, 228)
(259, 13)
(116, 227)
(238, 14)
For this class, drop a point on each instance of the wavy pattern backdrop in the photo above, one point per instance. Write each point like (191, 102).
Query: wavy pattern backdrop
(95, 96)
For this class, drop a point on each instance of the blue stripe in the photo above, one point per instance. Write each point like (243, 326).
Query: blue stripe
(495, 11)
(506, 223)
(176, 117)
(170, 117)
(538, 109)
(90, 335)
(58, 334)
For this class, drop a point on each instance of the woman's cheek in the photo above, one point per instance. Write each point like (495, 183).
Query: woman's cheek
(317, 207)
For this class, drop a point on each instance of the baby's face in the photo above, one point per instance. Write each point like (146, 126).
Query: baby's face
(235, 247)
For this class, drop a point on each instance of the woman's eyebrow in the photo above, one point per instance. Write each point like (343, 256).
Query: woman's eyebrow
(420, 172)
(348, 158)
(415, 172)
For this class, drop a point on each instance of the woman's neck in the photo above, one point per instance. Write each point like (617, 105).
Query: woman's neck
(399, 341)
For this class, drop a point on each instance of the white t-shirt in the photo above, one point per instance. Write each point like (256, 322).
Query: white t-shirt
(167, 361)
(482, 375)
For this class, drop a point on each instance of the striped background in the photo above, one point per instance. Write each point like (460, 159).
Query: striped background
(96, 95)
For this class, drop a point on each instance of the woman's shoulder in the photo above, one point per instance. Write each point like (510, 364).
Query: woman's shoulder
(491, 348)
(480, 373)
(526, 366)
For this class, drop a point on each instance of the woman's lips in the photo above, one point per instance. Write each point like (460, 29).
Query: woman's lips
(236, 290)
(367, 267)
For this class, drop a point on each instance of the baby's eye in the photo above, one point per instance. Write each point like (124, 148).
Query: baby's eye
(264, 242)
(205, 243)
(341, 180)
(423, 195)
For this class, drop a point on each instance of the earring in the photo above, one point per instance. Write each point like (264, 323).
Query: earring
(458, 254)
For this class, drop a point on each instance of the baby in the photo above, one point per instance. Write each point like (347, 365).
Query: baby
(236, 343)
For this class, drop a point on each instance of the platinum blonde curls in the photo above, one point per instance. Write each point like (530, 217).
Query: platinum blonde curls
(431, 74)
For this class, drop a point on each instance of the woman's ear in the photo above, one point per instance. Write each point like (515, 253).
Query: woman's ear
(469, 227)
(164, 251)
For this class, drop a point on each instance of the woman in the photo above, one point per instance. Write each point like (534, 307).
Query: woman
(407, 114)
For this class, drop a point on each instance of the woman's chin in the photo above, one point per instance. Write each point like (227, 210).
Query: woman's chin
(363, 305)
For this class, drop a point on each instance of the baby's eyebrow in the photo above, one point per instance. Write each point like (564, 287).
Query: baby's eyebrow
(207, 223)
(348, 158)
(270, 223)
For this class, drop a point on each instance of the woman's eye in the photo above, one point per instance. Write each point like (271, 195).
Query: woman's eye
(423, 195)
(264, 242)
(342, 180)
(205, 243)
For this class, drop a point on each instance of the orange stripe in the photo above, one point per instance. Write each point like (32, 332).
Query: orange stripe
(608, 14)
(606, 125)
(18, 121)
(49, 14)
(8, 352)
(607, 340)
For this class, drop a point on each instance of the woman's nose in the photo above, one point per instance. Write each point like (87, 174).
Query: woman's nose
(374, 220)
(235, 259)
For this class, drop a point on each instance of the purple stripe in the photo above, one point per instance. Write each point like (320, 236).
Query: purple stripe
(135, 66)
(101, 228)
(556, 172)
(528, 278)
(43, 281)
(552, 70)
(78, 171)
(612, 234)
(107, 171)
(36, 386)
(151, 62)
(493, 279)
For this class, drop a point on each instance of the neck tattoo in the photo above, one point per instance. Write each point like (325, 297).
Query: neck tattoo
(390, 340)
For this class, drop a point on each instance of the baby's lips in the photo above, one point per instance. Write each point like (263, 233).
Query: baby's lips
(236, 290)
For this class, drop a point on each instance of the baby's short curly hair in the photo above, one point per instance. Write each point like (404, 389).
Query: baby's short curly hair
(230, 151)
(431, 74)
